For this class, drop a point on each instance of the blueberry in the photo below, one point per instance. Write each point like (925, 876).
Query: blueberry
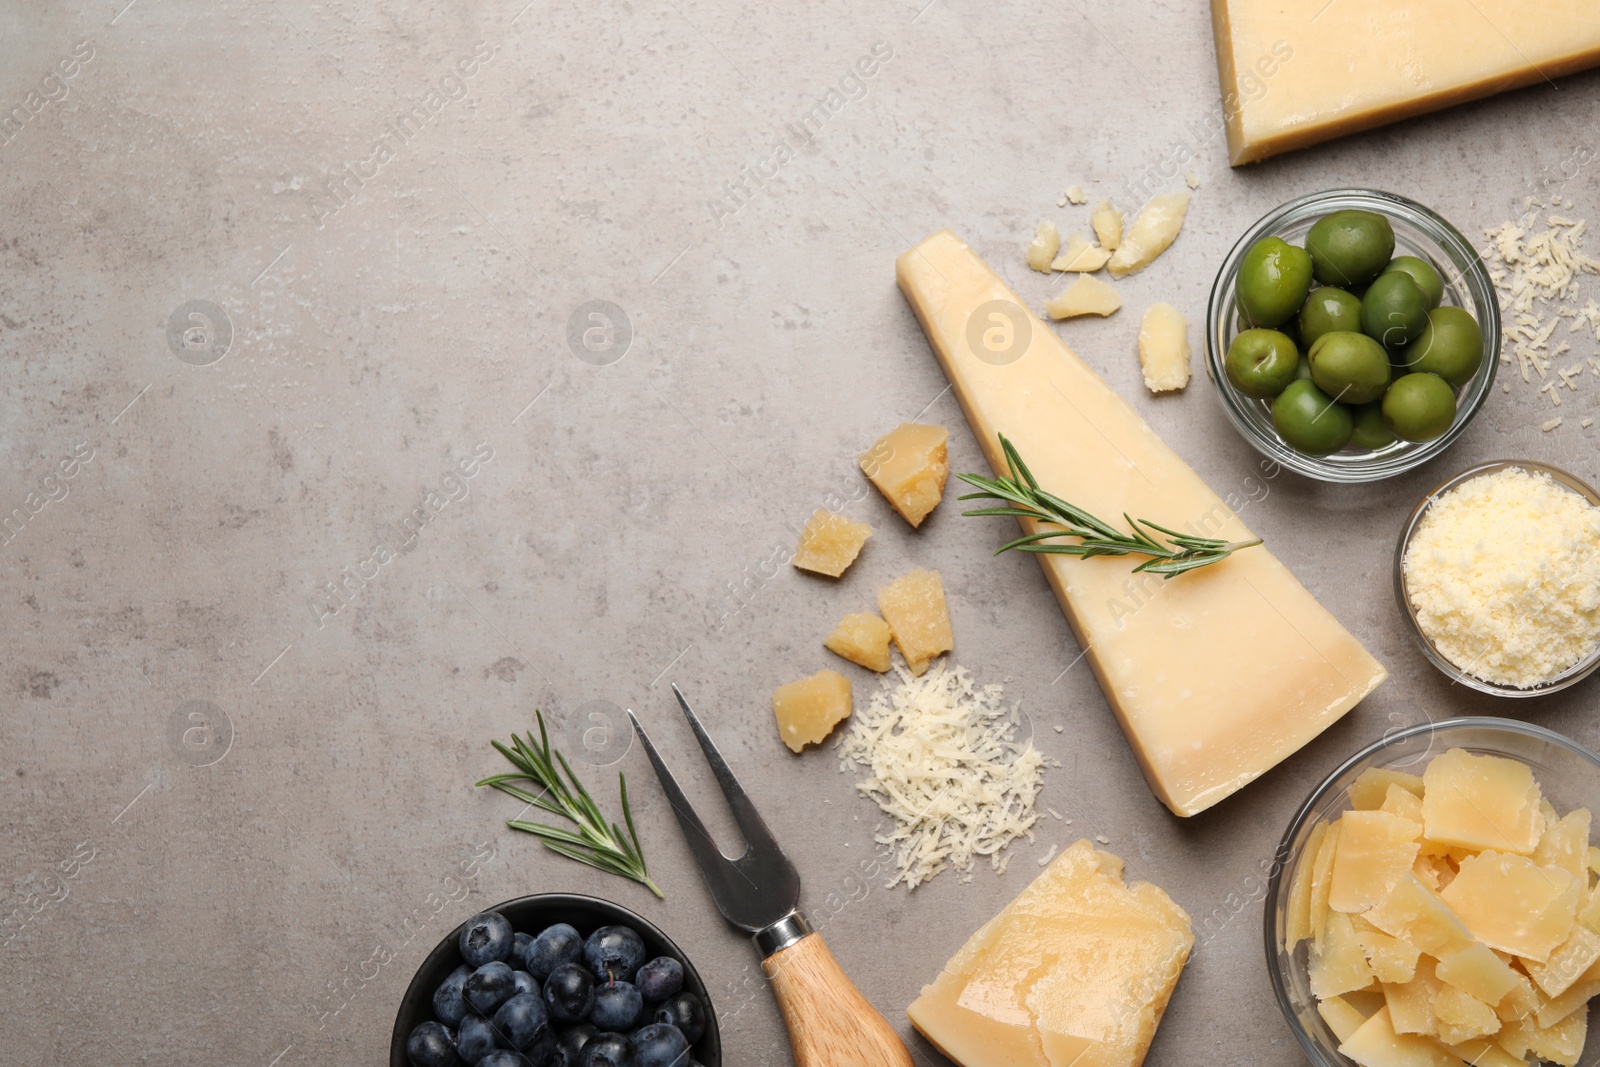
(448, 1007)
(617, 1006)
(569, 993)
(485, 937)
(685, 1011)
(661, 1045)
(430, 1046)
(545, 1051)
(609, 1050)
(488, 987)
(503, 1057)
(573, 1038)
(523, 982)
(554, 946)
(521, 1020)
(614, 952)
(660, 978)
(476, 1039)
(520, 943)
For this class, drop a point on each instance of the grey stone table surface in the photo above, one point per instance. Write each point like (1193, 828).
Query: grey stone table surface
(277, 278)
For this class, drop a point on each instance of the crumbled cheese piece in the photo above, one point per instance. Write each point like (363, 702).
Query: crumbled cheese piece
(1076, 195)
(1042, 249)
(1586, 423)
(946, 768)
(1192, 179)
(1086, 296)
(1044, 860)
(1550, 387)
(1107, 223)
(1103, 839)
(1504, 575)
(1080, 256)
(1164, 349)
(1552, 424)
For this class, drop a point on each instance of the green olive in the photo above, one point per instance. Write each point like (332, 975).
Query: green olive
(1419, 407)
(1371, 432)
(1350, 367)
(1451, 346)
(1425, 274)
(1328, 309)
(1273, 280)
(1261, 362)
(1394, 311)
(1309, 421)
(1350, 247)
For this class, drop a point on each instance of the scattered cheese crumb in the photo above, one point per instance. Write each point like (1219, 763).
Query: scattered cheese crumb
(1164, 349)
(1552, 424)
(1060, 728)
(1044, 860)
(1103, 839)
(1107, 223)
(1503, 573)
(946, 767)
(1061, 202)
(1192, 178)
(1085, 296)
(1042, 249)
(1080, 256)
(1054, 814)
(1076, 195)
(1586, 423)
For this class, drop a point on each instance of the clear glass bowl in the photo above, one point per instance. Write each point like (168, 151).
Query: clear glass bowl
(1568, 773)
(1577, 672)
(1417, 232)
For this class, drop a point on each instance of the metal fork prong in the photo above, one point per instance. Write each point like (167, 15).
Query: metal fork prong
(725, 881)
(749, 820)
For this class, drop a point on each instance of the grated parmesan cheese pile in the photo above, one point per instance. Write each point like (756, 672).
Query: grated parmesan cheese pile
(946, 768)
(1504, 575)
(1535, 267)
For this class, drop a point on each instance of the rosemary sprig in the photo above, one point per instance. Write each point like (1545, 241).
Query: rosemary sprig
(1095, 537)
(596, 842)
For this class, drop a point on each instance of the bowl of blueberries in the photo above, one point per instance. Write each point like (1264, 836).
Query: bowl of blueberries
(556, 980)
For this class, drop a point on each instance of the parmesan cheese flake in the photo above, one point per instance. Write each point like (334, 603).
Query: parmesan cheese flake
(947, 769)
(1503, 573)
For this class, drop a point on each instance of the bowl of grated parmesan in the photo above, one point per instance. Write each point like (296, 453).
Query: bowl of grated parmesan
(1498, 572)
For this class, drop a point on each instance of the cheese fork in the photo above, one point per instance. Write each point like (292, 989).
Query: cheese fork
(830, 1023)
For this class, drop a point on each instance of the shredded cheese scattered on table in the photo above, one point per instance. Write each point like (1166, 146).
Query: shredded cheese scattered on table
(946, 767)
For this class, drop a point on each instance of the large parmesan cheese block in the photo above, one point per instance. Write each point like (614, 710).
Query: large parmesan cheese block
(1180, 661)
(1077, 970)
(1297, 72)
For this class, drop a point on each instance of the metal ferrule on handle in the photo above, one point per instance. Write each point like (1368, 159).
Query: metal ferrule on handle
(780, 935)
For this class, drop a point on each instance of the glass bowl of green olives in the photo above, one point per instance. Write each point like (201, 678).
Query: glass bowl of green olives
(1352, 335)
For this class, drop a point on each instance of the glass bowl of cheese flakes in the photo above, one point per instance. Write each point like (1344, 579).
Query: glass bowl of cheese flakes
(1433, 902)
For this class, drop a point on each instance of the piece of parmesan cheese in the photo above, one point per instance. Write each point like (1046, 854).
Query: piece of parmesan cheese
(1042, 249)
(945, 766)
(1504, 575)
(1164, 349)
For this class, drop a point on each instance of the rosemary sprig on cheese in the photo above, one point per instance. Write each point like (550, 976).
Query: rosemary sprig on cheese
(1094, 537)
(596, 841)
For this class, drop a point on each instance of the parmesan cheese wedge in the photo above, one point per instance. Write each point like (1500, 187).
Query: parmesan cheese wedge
(1176, 659)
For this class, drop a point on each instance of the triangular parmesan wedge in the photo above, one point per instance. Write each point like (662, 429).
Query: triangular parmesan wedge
(1180, 661)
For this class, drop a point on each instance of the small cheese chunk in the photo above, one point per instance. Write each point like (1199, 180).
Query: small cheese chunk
(1405, 804)
(1371, 787)
(1481, 802)
(1376, 850)
(1076, 195)
(1563, 1042)
(1557, 1008)
(1339, 964)
(1512, 904)
(1477, 970)
(1078, 969)
(861, 637)
(1164, 349)
(1152, 233)
(1569, 962)
(808, 710)
(1460, 1016)
(1081, 256)
(909, 465)
(1085, 296)
(830, 543)
(1042, 249)
(1107, 223)
(1377, 1044)
(1322, 881)
(1391, 959)
(914, 607)
(1341, 1016)
(1297, 916)
(1565, 844)
(1416, 915)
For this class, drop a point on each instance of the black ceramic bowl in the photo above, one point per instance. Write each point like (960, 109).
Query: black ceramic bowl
(530, 915)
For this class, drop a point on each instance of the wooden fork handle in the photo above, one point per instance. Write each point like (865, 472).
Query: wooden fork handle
(830, 1023)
